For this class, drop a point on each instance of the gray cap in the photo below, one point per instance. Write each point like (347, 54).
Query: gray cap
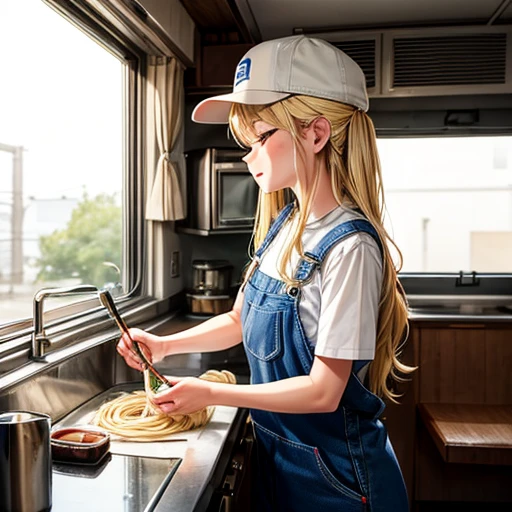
(273, 70)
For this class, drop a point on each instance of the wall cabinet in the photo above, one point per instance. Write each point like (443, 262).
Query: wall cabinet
(218, 64)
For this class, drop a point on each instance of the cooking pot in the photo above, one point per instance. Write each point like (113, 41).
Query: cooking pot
(209, 304)
(25, 462)
(212, 277)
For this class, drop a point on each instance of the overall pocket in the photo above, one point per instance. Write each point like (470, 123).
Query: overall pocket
(302, 475)
(262, 332)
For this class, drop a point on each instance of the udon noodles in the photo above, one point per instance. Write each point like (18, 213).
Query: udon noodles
(134, 417)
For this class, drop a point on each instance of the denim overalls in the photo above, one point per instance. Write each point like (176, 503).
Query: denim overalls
(340, 461)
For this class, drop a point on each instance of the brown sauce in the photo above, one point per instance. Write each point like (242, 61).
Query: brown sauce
(78, 436)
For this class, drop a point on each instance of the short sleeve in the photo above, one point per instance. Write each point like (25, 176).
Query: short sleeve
(350, 292)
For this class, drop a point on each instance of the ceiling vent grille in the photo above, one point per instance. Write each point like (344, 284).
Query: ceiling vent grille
(430, 61)
(471, 59)
(363, 52)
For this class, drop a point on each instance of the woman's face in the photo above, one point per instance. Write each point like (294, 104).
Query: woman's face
(271, 160)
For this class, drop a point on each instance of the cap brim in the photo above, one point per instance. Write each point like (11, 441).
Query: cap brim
(215, 110)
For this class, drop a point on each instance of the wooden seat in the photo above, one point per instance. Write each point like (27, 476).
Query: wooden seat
(470, 434)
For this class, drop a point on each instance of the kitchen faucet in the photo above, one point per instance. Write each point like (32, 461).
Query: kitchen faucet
(39, 339)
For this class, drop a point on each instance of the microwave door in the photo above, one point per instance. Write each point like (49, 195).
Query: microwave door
(236, 198)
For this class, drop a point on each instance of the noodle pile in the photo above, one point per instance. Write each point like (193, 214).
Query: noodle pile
(134, 417)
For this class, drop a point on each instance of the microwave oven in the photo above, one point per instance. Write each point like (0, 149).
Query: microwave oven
(222, 195)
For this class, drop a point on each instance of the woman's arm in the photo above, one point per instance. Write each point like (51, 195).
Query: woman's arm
(320, 391)
(218, 333)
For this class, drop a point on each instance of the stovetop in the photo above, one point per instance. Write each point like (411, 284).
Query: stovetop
(118, 483)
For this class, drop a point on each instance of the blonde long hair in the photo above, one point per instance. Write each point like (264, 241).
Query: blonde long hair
(353, 164)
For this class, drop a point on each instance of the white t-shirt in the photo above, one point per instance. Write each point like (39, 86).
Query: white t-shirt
(339, 306)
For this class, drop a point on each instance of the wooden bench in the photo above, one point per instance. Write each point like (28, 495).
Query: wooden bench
(470, 434)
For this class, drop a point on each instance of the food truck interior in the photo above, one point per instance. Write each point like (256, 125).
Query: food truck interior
(108, 184)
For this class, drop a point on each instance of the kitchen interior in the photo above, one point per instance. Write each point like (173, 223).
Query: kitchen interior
(452, 430)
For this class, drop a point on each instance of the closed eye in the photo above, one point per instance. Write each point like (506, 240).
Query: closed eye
(266, 135)
(261, 139)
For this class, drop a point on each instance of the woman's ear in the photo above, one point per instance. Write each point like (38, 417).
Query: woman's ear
(322, 132)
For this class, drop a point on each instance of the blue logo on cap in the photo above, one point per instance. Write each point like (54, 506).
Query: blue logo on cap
(243, 71)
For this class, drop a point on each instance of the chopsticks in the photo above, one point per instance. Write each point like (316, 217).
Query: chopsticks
(107, 301)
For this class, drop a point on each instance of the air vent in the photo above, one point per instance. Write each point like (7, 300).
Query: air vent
(472, 59)
(363, 52)
(430, 61)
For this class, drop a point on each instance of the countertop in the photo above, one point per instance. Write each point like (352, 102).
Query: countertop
(176, 475)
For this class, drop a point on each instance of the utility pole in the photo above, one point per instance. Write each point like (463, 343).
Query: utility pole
(424, 240)
(16, 213)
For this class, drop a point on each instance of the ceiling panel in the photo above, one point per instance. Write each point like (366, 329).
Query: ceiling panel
(277, 18)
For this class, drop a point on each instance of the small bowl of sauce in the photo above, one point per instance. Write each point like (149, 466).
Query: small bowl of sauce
(79, 445)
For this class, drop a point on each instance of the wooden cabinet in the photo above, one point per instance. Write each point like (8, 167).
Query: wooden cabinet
(400, 419)
(218, 64)
(465, 364)
(463, 379)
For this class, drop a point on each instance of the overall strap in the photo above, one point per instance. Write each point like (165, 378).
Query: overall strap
(274, 229)
(315, 258)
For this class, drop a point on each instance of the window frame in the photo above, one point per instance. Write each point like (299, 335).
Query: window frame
(67, 323)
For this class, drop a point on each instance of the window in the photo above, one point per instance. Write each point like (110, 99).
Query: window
(61, 158)
(449, 202)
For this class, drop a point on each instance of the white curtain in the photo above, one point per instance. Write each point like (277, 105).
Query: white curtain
(165, 98)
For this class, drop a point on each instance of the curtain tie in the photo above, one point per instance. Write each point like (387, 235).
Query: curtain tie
(172, 156)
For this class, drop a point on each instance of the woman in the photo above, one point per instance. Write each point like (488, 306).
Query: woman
(321, 312)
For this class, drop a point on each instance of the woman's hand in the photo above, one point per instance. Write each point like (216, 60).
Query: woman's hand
(152, 346)
(187, 395)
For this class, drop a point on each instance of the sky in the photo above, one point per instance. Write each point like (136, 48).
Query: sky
(60, 99)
